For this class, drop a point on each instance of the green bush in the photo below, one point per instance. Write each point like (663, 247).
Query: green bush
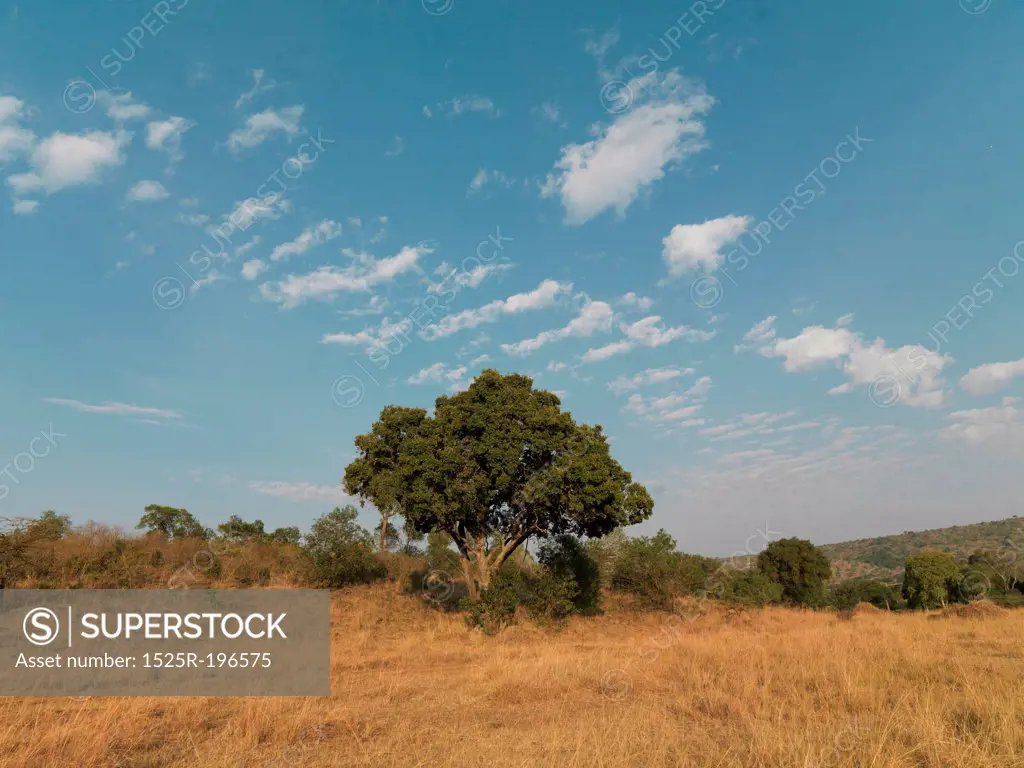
(750, 588)
(566, 559)
(655, 574)
(543, 597)
(338, 552)
(850, 593)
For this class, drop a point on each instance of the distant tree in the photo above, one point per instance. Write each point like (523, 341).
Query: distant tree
(800, 568)
(440, 555)
(374, 476)
(930, 579)
(652, 570)
(852, 592)
(49, 526)
(172, 522)
(391, 539)
(237, 529)
(750, 587)
(289, 535)
(605, 552)
(339, 551)
(496, 465)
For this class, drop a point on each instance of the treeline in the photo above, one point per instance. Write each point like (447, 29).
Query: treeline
(566, 575)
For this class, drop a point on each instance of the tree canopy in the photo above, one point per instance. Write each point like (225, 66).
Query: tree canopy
(800, 568)
(172, 522)
(495, 465)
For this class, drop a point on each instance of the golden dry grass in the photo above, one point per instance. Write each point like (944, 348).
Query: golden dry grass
(413, 687)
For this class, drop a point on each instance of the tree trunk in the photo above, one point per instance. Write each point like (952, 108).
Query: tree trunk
(382, 539)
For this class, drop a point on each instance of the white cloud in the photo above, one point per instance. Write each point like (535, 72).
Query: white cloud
(165, 136)
(211, 277)
(543, 296)
(67, 160)
(243, 249)
(991, 377)
(25, 207)
(595, 316)
(759, 335)
(375, 306)
(483, 177)
(599, 354)
(692, 246)
(651, 332)
(625, 384)
(253, 269)
(271, 206)
(323, 232)
(121, 106)
(643, 303)
(549, 112)
(459, 279)
(147, 191)
(397, 147)
(263, 125)
(845, 320)
(15, 141)
(260, 85)
(673, 409)
(980, 425)
(910, 371)
(192, 219)
(326, 282)
(436, 373)
(300, 491)
(636, 150)
(462, 105)
(121, 409)
(748, 425)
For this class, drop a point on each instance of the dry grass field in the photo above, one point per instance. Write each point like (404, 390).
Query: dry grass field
(414, 687)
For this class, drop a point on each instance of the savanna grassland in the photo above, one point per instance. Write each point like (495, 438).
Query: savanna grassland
(705, 686)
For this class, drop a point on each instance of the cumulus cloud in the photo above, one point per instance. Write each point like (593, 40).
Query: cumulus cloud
(261, 84)
(991, 377)
(660, 131)
(264, 125)
(15, 140)
(436, 373)
(70, 159)
(694, 246)
(147, 191)
(997, 424)
(166, 135)
(911, 370)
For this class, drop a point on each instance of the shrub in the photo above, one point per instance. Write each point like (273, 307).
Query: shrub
(542, 596)
(566, 559)
(800, 568)
(652, 571)
(751, 588)
(339, 552)
(850, 593)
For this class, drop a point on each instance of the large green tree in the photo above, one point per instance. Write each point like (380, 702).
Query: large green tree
(930, 579)
(374, 476)
(800, 568)
(495, 465)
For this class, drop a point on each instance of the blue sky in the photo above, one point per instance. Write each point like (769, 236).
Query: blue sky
(770, 249)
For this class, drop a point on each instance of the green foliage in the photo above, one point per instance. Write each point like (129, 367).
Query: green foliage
(750, 587)
(651, 570)
(568, 561)
(237, 529)
(495, 465)
(440, 555)
(49, 527)
(289, 535)
(930, 580)
(339, 552)
(542, 596)
(172, 522)
(800, 568)
(850, 593)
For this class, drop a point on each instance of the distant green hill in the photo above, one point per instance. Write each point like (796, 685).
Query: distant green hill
(883, 557)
